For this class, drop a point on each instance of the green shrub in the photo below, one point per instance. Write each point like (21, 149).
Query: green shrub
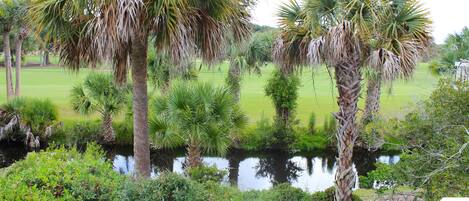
(61, 174)
(203, 174)
(281, 192)
(79, 133)
(255, 138)
(304, 141)
(384, 177)
(168, 186)
(124, 133)
(312, 123)
(35, 113)
(329, 195)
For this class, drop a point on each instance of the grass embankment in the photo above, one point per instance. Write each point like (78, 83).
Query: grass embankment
(317, 94)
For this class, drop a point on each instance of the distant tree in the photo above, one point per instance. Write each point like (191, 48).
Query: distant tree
(197, 115)
(99, 93)
(247, 57)
(455, 48)
(7, 15)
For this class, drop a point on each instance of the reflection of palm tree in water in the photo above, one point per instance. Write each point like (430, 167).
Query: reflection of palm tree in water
(279, 168)
(234, 158)
(163, 160)
(364, 162)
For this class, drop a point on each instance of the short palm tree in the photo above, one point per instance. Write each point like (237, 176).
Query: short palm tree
(402, 34)
(99, 93)
(119, 30)
(246, 57)
(197, 115)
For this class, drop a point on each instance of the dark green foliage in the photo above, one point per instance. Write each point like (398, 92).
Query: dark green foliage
(328, 195)
(61, 174)
(312, 123)
(437, 139)
(168, 186)
(305, 141)
(383, 175)
(37, 114)
(204, 174)
(283, 90)
(455, 48)
(78, 133)
(124, 133)
(280, 192)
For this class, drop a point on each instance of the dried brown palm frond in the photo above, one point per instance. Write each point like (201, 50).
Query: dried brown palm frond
(315, 50)
(408, 56)
(341, 44)
(386, 63)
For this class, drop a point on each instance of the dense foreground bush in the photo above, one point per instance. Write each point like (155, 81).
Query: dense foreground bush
(63, 174)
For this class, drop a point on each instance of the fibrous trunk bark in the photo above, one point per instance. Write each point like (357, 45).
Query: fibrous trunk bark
(348, 79)
(109, 136)
(194, 158)
(138, 59)
(7, 62)
(234, 79)
(45, 58)
(23, 32)
(372, 99)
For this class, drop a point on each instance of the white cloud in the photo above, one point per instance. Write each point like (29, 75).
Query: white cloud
(449, 16)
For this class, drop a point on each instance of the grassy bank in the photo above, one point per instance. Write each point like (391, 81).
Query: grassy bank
(316, 95)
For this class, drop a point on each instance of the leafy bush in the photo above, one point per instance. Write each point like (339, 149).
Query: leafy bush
(256, 138)
(168, 186)
(79, 133)
(312, 123)
(382, 178)
(329, 195)
(61, 174)
(203, 174)
(37, 114)
(281, 192)
(305, 141)
(124, 133)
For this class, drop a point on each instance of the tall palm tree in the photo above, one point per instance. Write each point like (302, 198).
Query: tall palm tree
(22, 33)
(119, 30)
(99, 93)
(339, 34)
(402, 33)
(6, 23)
(197, 115)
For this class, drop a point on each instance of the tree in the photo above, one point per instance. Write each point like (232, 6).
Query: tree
(6, 23)
(455, 48)
(22, 33)
(402, 34)
(247, 57)
(99, 93)
(197, 115)
(119, 30)
(339, 34)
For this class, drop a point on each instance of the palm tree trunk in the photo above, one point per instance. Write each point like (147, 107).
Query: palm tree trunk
(234, 80)
(348, 79)
(194, 158)
(45, 57)
(372, 99)
(7, 62)
(138, 59)
(18, 48)
(109, 136)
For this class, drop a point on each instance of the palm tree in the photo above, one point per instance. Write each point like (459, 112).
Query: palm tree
(246, 57)
(119, 30)
(402, 33)
(22, 33)
(6, 23)
(197, 115)
(339, 34)
(99, 93)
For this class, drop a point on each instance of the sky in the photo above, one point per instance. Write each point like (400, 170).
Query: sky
(448, 16)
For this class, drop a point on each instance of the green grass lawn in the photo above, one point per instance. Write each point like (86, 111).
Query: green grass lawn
(315, 95)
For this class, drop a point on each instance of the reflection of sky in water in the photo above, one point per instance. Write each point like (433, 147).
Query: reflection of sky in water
(321, 175)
